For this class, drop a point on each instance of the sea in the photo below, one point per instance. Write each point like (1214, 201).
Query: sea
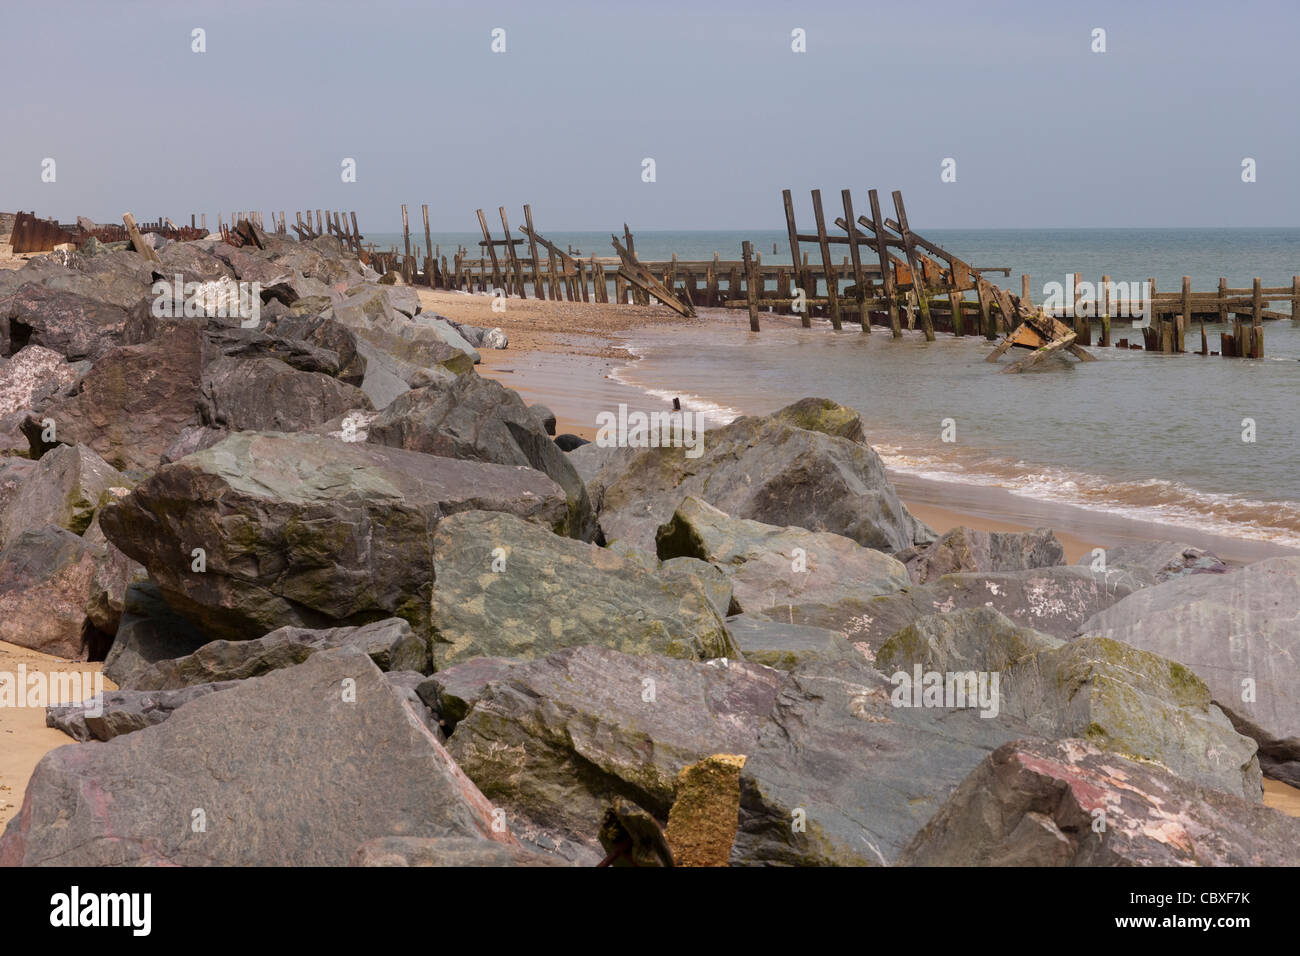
(1201, 442)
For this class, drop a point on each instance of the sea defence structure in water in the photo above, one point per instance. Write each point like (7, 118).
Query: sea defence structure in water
(890, 272)
(892, 277)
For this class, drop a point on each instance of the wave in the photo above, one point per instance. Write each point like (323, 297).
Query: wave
(1164, 501)
(714, 414)
(1151, 499)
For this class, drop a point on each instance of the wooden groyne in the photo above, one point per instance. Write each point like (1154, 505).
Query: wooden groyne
(32, 235)
(890, 274)
(859, 267)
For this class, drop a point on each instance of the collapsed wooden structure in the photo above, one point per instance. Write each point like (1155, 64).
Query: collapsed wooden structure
(890, 271)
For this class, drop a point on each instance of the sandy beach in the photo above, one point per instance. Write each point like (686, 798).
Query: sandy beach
(24, 738)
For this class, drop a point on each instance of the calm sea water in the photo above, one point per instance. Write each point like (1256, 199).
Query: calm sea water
(1152, 436)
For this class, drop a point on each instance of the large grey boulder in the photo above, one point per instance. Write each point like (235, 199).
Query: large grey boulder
(68, 485)
(112, 278)
(452, 691)
(118, 712)
(114, 575)
(148, 631)
(508, 588)
(376, 314)
(835, 773)
(965, 549)
(75, 326)
(858, 772)
(1163, 559)
(786, 646)
(1238, 632)
(553, 740)
(1068, 803)
(765, 469)
(390, 643)
(971, 639)
(478, 419)
(240, 343)
(326, 752)
(266, 394)
(825, 416)
(1054, 601)
(1118, 697)
(312, 323)
(192, 263)
(45, 583)
(1135, 703)
(132, 405)
(33, 377)
(307, 531)
(13, 472)
(774, 568)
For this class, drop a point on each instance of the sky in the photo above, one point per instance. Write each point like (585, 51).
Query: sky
(1042, 130)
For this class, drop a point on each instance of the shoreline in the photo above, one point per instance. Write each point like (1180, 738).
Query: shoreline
(574, 374)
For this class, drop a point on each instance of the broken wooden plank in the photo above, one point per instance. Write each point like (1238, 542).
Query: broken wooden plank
(1029, 361)
(637, 274)
(137, 240)
(909, 248)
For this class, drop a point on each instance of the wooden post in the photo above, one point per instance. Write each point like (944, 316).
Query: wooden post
(137, 240)
(1295, 298)
(751, 283)
(639, 295)
(539, 291)
(828, 268)
(492, 250)
(986, 315)
(406, 231)
(1105, 311)
(429, 269)
(801, 279)
(553, 269)
(918, 279)
(859, 278)
(510, 254)
(1257, 323)
(711, 283)
(1180, 342)
(886, 268)
(1079, 319)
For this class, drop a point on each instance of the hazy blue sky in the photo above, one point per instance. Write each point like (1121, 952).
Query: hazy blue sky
(1044, 132)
